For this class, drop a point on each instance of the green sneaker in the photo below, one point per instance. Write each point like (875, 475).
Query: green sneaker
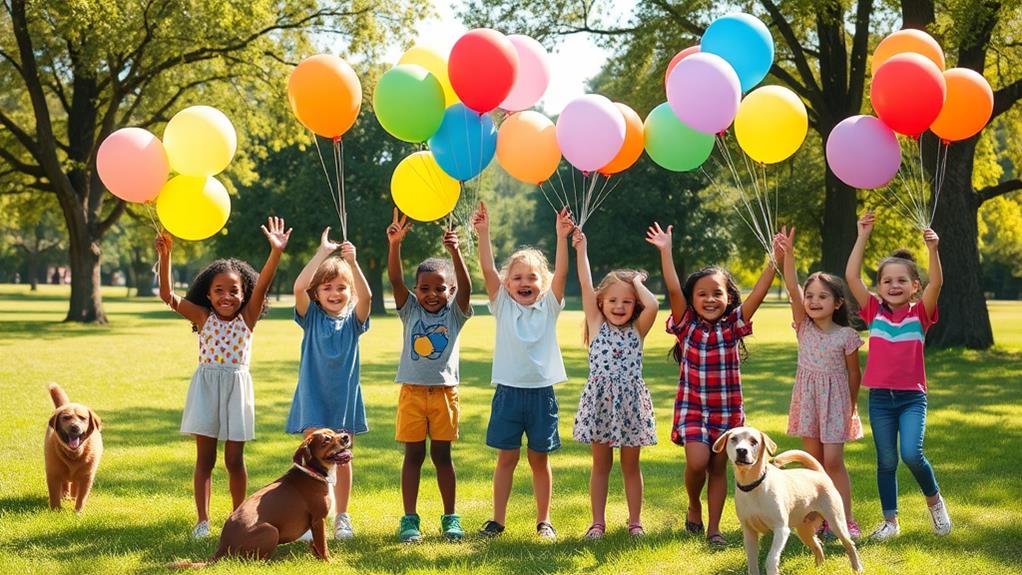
(451, 527)
(409, 532)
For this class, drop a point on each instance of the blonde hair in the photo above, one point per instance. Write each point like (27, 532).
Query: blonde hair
(625, 276)
(331, 268)
(536, 261)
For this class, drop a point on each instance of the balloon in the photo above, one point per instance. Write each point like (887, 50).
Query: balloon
(908, 93)
(465, 143)
(907, 40)
(432, 60)
(771, 124)
(409, 103)
(678, 58)
(193, 208)
(704, 92)
(132, 164)
(533, 74)
(590, 132)
(863, 152)
(200, 141)
(325, 95)
(968, 106)
(674, 145)
(422, 190)
(631, 149)
(483, 67)
(527, 147)
(745, 42)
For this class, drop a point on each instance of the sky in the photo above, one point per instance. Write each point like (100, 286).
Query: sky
(576, 59)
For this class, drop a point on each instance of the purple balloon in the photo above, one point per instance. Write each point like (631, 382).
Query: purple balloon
(863, 152)
(590, 132)
(704, 92)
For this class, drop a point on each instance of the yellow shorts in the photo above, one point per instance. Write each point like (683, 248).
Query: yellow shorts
(427, 410)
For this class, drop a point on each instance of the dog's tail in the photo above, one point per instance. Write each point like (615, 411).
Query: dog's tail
(58, 395)
(807, 461)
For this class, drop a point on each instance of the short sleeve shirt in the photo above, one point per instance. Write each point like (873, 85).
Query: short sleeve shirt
(896, 342)
(526, 353)
(429, 354)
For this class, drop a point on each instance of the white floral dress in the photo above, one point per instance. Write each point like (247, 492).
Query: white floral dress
(615, 406)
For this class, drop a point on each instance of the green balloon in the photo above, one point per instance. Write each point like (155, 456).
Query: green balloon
(674, 145)
(409, 103)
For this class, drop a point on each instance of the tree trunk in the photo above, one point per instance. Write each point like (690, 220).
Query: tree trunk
(839, 225)
(84, 256)
(374, 275)
(964, 320)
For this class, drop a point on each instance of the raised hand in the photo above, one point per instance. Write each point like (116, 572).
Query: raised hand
(481, 219)
(325, 244)
(578, 240)
(398, 228)
(450, 240)
(660, 237)
(865, 224)
(348, 252)
(640, 277)
(164, 242)
(275, 234)
(784, 242)
(930, 238)
(565, 223)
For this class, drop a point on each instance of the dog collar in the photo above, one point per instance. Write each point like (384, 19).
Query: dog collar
(324, 478)
(750, 486)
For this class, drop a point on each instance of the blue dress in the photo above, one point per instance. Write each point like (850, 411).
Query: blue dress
(328, 392)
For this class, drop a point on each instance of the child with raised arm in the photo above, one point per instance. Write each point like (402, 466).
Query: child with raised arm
(223, 304)
(896, 371)
(432, 314)
(823, 408)
(332, 303)
(526, 300)
(615, 409)
(709, 320)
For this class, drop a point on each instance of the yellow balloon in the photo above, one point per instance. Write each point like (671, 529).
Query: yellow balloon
(200, 141)
(436, 63)
(422, 189)
(193, 208)
(771, 124)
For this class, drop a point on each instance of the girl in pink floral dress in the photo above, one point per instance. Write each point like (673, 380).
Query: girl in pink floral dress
(823, 401)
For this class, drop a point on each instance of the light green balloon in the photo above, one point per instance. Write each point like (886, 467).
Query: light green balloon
(674, 145)
(409, 103)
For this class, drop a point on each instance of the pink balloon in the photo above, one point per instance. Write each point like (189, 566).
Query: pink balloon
(133, 164)
(678, 58)
(533, 74)
(590, 132)
(863, 152)
(704, 92)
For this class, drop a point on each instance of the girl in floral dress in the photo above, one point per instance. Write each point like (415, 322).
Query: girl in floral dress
(615, 409)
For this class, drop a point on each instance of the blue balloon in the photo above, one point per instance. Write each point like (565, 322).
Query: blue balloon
(465, 143)
(745, 42)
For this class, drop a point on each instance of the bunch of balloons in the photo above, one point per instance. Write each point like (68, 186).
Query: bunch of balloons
(911, 92)
(198, 143)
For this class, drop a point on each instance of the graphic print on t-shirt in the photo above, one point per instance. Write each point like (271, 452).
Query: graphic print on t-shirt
(428, 341)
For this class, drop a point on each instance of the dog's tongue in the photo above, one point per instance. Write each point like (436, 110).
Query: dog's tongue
(345, 457)
(74, 442)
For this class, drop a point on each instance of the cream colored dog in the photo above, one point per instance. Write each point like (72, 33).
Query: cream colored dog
(772, 499)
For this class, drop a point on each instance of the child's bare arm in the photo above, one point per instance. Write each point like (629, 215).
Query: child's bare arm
(564, 227)
(395, 234)
(188, 310)
(854, 377)
(853, 269)
(932, 291)
(481, 223)
(364, 304)
(463, 295)
(759, 291)
(594, 317)
(784, 247)
(662, 240)
(304, 279)
(650, 306)
(277, 237)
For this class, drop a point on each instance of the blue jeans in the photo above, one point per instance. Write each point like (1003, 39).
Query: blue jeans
(893, 412)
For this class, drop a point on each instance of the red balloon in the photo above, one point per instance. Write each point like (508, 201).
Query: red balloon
(908, 93)
(482, 68)
(678, 58)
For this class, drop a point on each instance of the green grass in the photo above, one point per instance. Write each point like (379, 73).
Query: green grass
(135, 371)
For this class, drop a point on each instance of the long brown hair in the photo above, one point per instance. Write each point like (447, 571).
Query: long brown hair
(625, 276)
(836, 287)
(734, 299)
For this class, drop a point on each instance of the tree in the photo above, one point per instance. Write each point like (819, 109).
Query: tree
(71, 73)
(32, 227)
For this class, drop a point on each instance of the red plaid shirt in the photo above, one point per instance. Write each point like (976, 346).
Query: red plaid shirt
(709, 400)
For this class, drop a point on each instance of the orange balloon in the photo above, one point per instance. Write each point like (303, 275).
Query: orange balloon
(632, 148)
(967, 107)
(907, 40)
(527, 147)
(325, 95)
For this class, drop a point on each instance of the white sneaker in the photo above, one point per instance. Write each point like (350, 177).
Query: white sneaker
(201, 530)
(941, 520)
(342, 527)
(306, 537)
(887, 530)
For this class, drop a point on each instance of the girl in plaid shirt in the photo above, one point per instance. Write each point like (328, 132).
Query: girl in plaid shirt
(709, 320)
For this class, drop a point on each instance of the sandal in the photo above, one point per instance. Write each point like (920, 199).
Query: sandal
(694, 528)
(596, 531)
(716, 541)
(636, 530)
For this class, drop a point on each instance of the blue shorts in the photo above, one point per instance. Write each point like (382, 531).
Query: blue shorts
(515, 410)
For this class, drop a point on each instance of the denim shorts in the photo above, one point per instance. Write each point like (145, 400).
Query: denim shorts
(517, 410)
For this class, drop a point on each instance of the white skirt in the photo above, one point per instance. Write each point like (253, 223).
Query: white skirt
(220, 403)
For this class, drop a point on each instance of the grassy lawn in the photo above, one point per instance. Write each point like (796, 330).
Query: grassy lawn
(135, 372)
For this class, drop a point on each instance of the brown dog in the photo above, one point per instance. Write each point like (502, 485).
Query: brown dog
(72, 449)
(781, 500)
(285, 509)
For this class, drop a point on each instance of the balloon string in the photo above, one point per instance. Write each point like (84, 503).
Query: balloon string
(343, 212)
(151, 212)
(941, 173)
(326, 174)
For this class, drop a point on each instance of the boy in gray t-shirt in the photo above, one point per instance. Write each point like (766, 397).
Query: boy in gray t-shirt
(432, 317)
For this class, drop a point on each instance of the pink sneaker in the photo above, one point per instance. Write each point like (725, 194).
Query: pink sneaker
(853, 531)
